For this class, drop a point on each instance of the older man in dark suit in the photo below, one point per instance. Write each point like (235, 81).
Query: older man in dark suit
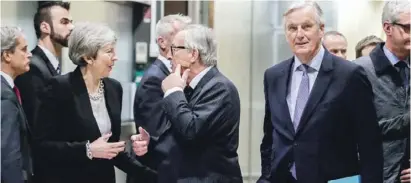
(15, 150)
(388, 69)
(203, 107)
(148, 112)
(319, 113)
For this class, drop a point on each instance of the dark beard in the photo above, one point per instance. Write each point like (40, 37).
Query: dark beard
(58, 39)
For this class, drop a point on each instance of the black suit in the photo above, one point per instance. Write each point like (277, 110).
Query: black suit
(338, 121)
(64, 125)
(15, 133)
(149, 114)
(206, 127)
(31, 84)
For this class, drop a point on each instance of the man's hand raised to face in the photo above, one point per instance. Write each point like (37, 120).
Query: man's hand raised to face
(175, 79)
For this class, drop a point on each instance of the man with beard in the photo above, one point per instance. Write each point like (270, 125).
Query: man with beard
(53, 25)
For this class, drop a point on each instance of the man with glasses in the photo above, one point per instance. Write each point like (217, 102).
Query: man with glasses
(203, 107)
(148, 112)
(388, 69)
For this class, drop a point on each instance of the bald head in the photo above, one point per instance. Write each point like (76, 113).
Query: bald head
(336, 43)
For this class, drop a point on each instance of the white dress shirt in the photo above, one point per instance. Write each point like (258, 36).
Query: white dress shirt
(194, 82)
(53, 59)
(8, 78)
(296, 76)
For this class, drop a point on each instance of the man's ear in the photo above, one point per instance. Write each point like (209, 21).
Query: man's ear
(161, 42)
(6, 56)
(45, 27)
(194, 55)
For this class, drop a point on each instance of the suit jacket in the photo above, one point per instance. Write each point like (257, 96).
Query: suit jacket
(338, 123)
(392, 102)
(32, 83)
(66, 122)
(206, 128)
(15, 150)
(149, 114)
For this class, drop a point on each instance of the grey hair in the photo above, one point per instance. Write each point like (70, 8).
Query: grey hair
(307, 4)
(201, 38)
(392, 9)
(365, 42)
(9, 35)
(87, 39)
(334, 33)
(165, 26)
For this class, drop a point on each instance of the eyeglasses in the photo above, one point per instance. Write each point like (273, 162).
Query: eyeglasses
(174, 49)
(405, 27)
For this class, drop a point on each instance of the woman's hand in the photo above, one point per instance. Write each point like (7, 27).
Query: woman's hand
(100, 148)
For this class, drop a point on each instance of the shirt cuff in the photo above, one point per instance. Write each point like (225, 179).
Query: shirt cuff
(172, 90)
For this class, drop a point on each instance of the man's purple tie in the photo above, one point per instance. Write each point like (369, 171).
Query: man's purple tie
(301, 101)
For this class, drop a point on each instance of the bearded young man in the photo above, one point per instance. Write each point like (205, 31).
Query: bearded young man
(53, 25)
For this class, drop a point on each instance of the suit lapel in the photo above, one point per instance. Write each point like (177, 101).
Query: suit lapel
(25, 123)
(38, 51)
(320, 86)
(210, 74)
(162, 67)
(82, 102)
(280, 97)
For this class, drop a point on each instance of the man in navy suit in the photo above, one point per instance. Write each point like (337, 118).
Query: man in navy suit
(15, 132)
(148, 112)
(319, 112)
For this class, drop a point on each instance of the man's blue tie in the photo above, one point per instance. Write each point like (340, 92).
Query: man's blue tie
(301, 101)
(404, 72)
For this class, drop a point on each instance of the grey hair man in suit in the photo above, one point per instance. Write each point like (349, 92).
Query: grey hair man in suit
(313, 100)
(203, 107)
(388, 69)
(15, 153)
(148, 111)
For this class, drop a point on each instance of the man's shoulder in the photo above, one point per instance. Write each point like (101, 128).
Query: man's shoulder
(278, 68)
(38, 67)
(6, 92)
(364, 61)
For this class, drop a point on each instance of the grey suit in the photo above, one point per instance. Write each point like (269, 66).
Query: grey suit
(392, 102)
(15, 153)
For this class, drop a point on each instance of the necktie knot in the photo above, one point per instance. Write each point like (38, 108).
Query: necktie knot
(305, 68)
(401, 64)
(58, 69)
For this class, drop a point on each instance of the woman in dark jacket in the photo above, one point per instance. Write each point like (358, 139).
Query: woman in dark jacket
(78, 127)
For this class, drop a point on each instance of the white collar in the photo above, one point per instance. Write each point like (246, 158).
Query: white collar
(194, 82)
(315, 63)
(53, 59)
(8, 79)
(165, 62)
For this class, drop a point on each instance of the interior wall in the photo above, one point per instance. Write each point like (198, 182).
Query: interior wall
(364, 20)
(20, 13)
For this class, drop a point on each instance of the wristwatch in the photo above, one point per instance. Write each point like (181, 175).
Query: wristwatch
(88, 150)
